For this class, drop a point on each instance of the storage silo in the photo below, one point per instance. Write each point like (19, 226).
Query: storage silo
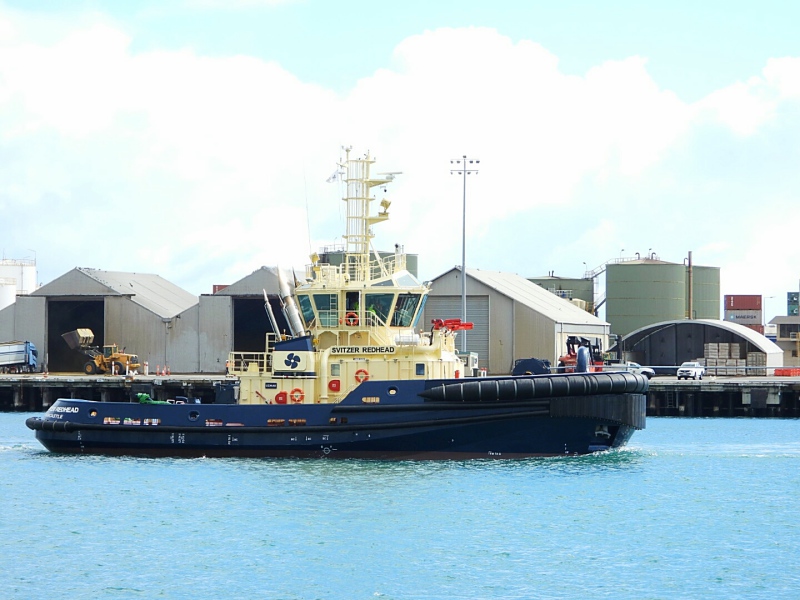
(22, 271)
(706, 298)
(8, 291)
(643, 292)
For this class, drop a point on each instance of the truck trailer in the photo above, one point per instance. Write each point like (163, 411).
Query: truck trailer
(18, 357)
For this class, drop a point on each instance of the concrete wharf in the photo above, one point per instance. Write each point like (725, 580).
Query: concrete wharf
(768, 396)
(748, 396)
(37, 391)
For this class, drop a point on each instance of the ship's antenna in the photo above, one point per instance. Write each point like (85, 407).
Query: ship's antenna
(359, 234)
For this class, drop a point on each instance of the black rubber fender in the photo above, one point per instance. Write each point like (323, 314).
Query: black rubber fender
(527, 387)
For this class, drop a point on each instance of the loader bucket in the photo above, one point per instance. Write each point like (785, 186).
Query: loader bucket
(78, 339)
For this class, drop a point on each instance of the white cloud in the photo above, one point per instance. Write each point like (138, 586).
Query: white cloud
(745, 106)
(784, 75)
(205, 169)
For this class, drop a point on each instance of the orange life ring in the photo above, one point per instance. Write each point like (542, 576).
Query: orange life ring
(296, 395)
(351, 319)
(362, 375)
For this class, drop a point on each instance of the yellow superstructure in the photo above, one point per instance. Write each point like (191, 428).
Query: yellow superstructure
(350, 323)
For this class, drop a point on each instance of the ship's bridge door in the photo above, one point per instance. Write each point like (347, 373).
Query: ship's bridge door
(352, 301)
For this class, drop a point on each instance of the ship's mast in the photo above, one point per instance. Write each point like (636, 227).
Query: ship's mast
(359, 220)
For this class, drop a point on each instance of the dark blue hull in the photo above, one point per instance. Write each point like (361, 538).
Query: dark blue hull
(440, 420)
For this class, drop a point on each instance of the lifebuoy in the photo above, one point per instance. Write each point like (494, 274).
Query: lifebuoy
(351, 319)
(296, 395)
(362, 375)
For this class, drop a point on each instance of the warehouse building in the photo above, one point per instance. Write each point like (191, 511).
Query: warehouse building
(133, 310)
(147, 315)
(513, 317)
(724, 348)
(787, 338)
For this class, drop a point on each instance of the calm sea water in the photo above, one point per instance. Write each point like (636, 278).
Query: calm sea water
(693, 508)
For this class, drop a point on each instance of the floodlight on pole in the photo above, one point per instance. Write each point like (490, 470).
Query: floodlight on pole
(464, 166)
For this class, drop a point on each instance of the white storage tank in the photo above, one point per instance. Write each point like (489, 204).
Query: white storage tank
(23, 271)
(8, 291)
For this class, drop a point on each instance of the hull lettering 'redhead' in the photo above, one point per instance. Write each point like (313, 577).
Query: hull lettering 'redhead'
(363, 350)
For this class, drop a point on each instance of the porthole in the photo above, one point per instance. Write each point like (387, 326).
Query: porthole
(93, 413)
(194, 415)
(392, 391)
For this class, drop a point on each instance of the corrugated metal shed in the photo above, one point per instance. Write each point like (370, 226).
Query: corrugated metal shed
(671, 342)
(535, 297)
(520, 318)
(152, 292)
(260, 280)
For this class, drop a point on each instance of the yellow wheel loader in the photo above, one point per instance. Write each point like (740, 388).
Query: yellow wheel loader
(107, 359)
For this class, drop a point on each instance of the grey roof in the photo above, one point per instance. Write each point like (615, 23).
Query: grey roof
(759, 341)
(781, 319)
(152, 292)
(255, 284)
(535, 297)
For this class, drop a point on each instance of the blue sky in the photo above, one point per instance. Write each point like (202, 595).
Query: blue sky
(197, 135)
(692, 48)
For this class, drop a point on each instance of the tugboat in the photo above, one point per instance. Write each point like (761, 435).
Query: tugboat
(357, 376)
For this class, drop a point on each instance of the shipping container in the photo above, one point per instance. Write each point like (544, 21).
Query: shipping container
(758, 328)
(744, 317)
(742, 302)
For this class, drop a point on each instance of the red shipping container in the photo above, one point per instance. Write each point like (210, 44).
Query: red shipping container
(218, 288)
(742, 302)
(758, 328)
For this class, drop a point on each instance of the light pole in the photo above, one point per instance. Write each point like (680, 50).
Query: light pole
(464, 169)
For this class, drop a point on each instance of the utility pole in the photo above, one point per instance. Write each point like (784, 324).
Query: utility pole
(464, 167)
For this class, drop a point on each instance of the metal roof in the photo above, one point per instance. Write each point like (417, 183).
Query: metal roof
(759, 341)
(152, 292)
(534, 297)
(783, 319)
(255, 284)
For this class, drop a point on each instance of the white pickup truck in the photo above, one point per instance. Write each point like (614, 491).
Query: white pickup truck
(691, 369)
(632, 367)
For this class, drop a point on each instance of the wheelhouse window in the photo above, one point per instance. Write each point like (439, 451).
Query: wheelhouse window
(405, 309)
(327, 309)
(306, 309)
(379, 305)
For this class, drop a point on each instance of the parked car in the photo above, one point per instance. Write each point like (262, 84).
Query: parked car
(632, 367)
(691, 369)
